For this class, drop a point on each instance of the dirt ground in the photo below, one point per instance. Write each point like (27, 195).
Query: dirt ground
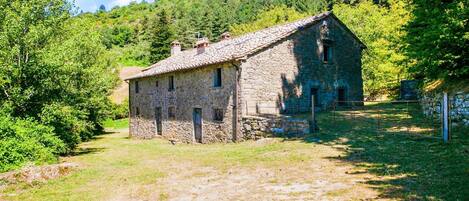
(117, 168)
(319, 178)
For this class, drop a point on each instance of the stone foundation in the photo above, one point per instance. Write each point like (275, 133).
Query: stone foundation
(256, 127)
(431, 104)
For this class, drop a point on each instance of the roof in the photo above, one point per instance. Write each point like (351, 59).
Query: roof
(229, 49)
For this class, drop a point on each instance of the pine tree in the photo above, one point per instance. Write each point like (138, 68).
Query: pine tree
(161, 37)
(102, 8)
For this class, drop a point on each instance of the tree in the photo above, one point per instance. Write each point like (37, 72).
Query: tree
(380, 28)
(101, 8)
(161, 37)
(268, 18)
(438, 39)
(53, 69)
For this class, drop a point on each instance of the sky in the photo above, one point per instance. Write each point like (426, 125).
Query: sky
(93, 5)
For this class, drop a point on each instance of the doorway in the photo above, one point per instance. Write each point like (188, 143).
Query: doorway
(197, 118)
(158, 124)
(341, 96)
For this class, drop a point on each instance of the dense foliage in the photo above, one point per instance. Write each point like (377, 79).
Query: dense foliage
(268, 18)
(161, 37)
(381, 29)
(54, 76)
(26, 140)
(139, 34)
(438, 39)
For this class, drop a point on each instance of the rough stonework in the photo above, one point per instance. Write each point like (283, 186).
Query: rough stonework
(257, 127)
(193, 89)
(293, 67)
(459, 110)
(267, 74)
(31, 174)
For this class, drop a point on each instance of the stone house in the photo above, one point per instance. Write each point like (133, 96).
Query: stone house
(207, 93)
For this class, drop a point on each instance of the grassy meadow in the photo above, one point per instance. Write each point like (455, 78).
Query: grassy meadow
(350, 158)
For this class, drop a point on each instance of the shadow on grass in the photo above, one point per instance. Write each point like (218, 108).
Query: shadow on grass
(90, 150)
(411, 164)
(84, 151)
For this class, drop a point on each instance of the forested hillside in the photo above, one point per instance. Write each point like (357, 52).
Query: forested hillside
(139, 34)
(58, 66)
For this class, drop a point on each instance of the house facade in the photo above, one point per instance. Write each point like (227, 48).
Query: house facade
(204, 94)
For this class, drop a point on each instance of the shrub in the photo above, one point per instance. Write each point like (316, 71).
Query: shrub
(68, 124)
(120, 111)
(24, 140)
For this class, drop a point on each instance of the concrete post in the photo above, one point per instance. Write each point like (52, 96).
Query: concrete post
(446, 118)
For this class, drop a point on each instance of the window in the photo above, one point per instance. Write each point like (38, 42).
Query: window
(217, 114)
(171, 83)
(327, 53)
(171, 113)
(137, 111)
(217, 77)
(137, 88)
(156, 84)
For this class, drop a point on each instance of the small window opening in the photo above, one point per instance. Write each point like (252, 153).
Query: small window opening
(171, 83)
(217, 78)
(327, 54)
(217, 114)
(137, 87)
(156, 84)
(172, 113)
(137, 111)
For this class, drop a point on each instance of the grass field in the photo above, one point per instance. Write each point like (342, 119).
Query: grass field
(116, 124)
(349, 159)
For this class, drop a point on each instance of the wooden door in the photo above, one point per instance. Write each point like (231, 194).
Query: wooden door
(341, 96)
(158, 124)
(197, 118)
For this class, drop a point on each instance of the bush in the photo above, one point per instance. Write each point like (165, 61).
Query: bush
(68, 123)
(120, 111)
(24, 140)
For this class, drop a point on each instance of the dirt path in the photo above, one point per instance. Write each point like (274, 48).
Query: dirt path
(321, 180)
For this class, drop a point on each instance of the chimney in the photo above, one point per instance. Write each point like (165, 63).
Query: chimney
(201, 44)
(225, 36)
(175, 47)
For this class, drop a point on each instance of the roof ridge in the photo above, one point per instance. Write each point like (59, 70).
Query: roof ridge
(234, 48)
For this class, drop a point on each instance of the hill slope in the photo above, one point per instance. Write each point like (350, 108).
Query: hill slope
(122, 91)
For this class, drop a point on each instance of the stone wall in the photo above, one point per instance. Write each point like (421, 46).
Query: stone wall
(274, 80)
(193, 89)
(279, 78)
(256, 127)
(431, 104)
